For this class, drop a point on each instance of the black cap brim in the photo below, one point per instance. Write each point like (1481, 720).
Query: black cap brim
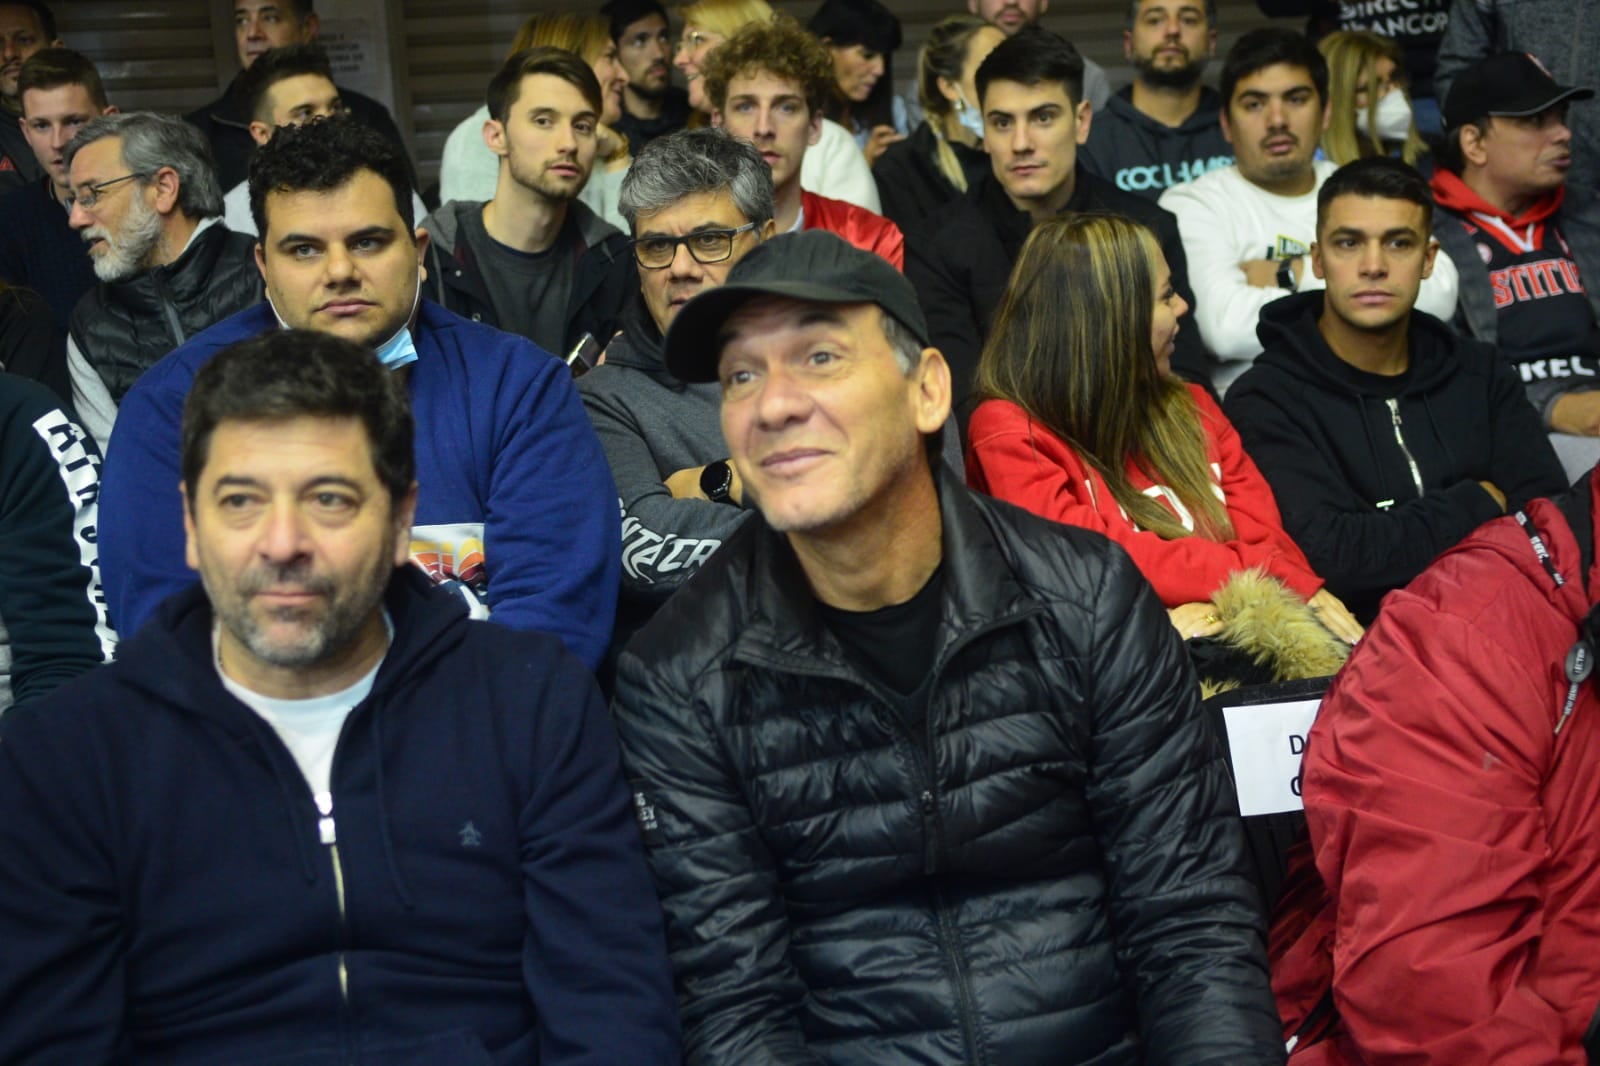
(1560, 97)
(693, 346)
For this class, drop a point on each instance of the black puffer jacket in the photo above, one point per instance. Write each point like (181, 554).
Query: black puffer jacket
(1051, 872)
(123, 327)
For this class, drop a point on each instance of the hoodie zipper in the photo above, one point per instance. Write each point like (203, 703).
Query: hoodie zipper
(1399, 438)
(329, 836)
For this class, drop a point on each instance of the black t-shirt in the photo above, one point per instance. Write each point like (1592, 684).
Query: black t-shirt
(529, 290)
(1546, 326)
(894, 644)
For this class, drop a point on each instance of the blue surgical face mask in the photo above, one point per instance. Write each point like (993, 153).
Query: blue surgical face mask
(399, 350)
(968, 116)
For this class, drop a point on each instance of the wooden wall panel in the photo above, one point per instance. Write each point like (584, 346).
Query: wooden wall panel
(156, 55)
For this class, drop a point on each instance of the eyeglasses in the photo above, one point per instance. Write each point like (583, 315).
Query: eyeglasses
(87, 200)
(706, 245)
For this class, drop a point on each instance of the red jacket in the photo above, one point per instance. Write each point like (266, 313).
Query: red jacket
(1457, 832)
(865, 229)
(1013, 458)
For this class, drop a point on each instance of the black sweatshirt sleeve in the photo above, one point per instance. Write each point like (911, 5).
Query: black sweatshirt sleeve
(51, 602)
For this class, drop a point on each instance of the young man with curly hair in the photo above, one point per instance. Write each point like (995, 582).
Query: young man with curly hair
(768, 85)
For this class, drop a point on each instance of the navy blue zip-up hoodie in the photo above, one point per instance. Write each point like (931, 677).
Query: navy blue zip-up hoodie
(168, 894)
(1375, 476)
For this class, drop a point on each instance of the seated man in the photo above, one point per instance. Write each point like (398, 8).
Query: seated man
(1248, 228)
(651, 105)
(923, 778)
(258, 27)
(1385, 437)
(1012, 16)
(1030, 91)
(1452, 802)
(146, 200)
(1527, 239)
(26, 26)
(61, 92)
(769, 84)
(285, 86)
(1166, 127)
(515, 507)
(535, 260)
(53, 619)
(312, 813)
(697, 200)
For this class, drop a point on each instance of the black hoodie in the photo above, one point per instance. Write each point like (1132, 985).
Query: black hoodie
(1374, 475)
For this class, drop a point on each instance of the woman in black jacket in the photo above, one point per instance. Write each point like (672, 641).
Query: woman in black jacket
(945, 153)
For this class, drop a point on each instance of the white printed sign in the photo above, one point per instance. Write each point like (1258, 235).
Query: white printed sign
(1267, 741)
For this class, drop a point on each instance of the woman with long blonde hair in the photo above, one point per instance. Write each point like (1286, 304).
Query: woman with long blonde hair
(468, 169)
(1083, 422)
(944, 154)
(1369, 109)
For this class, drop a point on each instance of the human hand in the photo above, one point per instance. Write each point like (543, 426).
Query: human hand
(1332, 612)
(1577, 413)
(1194, 620)
(1261, 273)
(880, 138)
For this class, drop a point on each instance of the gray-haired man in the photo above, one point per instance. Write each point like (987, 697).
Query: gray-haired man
(145, 197)
(696, 201)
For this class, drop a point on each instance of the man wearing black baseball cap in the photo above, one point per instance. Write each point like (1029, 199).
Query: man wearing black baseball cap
(923, 777)
(1525, 240)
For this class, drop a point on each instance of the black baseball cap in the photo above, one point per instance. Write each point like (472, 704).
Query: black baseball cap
(815, 266)
(1505, 85)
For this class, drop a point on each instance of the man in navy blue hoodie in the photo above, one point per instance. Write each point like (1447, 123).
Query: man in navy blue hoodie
(516, 506)
(313, 813)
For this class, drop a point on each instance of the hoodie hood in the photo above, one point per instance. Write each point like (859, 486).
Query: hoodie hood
(1453, 194)
(1292, 344)
(639, 345)
(1206, 116)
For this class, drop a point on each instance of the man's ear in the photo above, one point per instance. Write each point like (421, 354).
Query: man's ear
(111, 109)
(423, 238)
(494, 135)
(310, 27)
(1315, 257)
(769, 229)
(261, 260)
(814, 133)
(191, 554)
(1428, 257)
(1085, 116)
(716, 118)
(167, 185)
(1227, 128)
(1127, 45)
(260, 132)
(932, 401)
(1471, 141)
(405, 513)
(1211, 44)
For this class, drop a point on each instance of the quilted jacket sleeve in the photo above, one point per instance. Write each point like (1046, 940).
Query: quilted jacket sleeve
(1184, 910)
(1423, 779)
(727, 929)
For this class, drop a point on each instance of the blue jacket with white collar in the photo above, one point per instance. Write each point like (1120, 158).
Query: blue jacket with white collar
(515, 500)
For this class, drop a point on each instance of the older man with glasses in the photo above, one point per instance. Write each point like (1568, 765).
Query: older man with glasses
(696, 201)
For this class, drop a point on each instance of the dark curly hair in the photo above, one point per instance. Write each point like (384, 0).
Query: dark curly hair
(293, 373)
(324, 155)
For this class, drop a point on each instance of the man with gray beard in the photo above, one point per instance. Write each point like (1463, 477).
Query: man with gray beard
(144, 195)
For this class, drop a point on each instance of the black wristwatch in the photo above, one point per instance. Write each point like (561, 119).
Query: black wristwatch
(1286, 275)
(716, 481)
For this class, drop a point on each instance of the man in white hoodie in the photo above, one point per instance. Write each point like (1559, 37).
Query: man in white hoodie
(1248, 229)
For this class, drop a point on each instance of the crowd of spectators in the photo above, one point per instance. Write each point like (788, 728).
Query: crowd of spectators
(742, 560)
